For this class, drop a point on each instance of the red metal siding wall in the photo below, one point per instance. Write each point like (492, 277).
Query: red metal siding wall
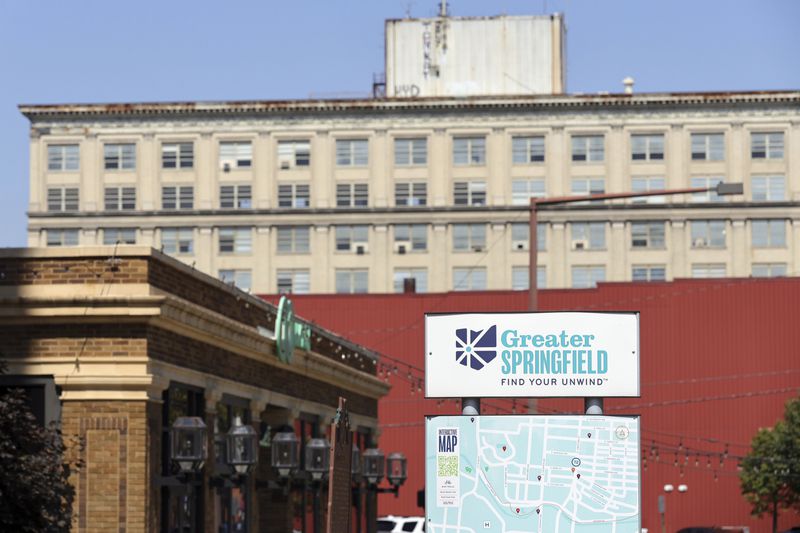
(718, 361)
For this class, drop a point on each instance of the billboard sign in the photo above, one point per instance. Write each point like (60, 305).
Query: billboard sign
(560, 474)
(534, 355)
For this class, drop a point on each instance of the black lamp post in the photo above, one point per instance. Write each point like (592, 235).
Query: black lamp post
(396, 472)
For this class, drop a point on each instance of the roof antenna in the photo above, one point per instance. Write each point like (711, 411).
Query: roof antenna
(443, 8)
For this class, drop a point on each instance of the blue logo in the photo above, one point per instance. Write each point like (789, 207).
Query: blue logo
(476, 348)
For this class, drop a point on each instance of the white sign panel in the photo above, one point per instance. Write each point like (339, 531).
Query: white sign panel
(533, 355)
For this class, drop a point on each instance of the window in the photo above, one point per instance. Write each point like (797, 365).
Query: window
(585, 277)
(352, 195)
(708, 233)
(647, 235)
(766, 145)
(419, 275)
(352, 239)
(120, 198)
(469, 279)
(177, 155)
(119, 156)
(294, 195)
(351, 281)
(352, 152)
(469, 237)
(708, 146)
(113, 236)
(62, 199)
(242, 278)
(295, 281)
(648, 183)
(708, 182)
(708, 270)
(235, 197)
(587, 186)
(469, 151)
(520, 236)
(769, 270)
(237, 154)
(588, 148)
(294, 154)
(769, 233)
(469, 193)
(177, 241)
(649, 273)
(177, 197)
(647, 147)
(410, 238)
(525, 150)
(588, 235)
(520, 278)
(768, 188)
(231, 501)
(408, 152)
(411, 193)
(62, 237)
(293, 239)
(63, 157)
(235, 240)
(186, 513)
(523, 190)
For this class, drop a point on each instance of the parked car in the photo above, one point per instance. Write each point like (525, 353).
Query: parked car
(401, 524)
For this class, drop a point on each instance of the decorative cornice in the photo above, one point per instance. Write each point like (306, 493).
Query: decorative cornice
(259, 107)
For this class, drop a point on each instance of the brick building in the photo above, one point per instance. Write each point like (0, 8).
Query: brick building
(115, 343)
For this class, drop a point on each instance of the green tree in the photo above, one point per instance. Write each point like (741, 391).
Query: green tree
(35, 493)
(770, 472)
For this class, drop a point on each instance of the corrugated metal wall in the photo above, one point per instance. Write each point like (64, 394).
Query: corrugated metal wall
(719, 360)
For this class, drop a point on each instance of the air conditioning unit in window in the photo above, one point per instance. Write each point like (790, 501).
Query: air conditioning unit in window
(286, 165)
(477, 248)
(402, 247)
(699, 242)
(580, 244)
(360, 248)
(519, 245)
(227, 164)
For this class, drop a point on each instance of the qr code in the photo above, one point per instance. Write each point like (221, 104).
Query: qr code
(448, 466)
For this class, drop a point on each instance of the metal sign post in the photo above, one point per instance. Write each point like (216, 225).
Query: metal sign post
(339, 485)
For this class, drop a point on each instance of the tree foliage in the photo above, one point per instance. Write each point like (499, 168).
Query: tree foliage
(770, 475)
(35, 493)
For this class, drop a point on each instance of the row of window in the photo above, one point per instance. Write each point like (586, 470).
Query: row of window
(356, 280)
(467, 151)
(406, 193)
(410, 238)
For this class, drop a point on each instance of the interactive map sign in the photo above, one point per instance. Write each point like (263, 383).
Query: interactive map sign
(533, 355)
(553, 474)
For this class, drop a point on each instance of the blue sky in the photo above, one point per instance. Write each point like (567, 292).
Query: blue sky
(106, 51)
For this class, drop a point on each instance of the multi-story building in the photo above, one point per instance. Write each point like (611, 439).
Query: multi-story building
(356, 195)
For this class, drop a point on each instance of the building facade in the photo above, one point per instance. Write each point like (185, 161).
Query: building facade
(356, 195)
(116, 344)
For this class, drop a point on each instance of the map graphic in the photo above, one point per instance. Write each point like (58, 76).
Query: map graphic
(523, 473)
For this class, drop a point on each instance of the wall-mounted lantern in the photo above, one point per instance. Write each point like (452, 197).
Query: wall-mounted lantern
(189, 444)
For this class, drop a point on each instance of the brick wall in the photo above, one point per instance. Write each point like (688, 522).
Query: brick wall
(52, 271)
(182, 351)
(195, 288)
(71, 340)
(114, 486)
